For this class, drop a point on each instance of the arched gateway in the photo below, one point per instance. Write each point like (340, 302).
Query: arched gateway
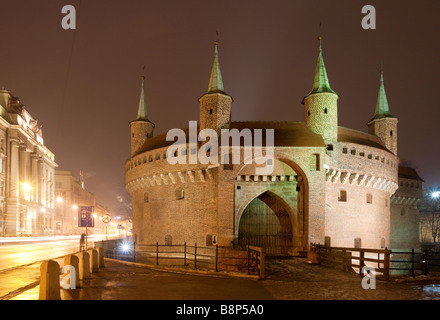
(269, 210)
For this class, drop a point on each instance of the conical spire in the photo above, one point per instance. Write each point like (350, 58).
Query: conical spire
(142, 112)
(382, 107)
(215, 81)
(320, 83)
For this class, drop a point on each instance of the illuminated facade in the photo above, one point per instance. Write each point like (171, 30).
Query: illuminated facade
(329, 184)
(27, 172)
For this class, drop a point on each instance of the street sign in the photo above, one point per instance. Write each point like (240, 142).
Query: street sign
(85, 217)
(106, 218)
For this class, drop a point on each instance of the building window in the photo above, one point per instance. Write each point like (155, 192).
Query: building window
(329, 147)
(146, 197)
(327, 241)
(325, 110)
(402, 212)
(391, 133)
(314, 162)
(344, 150)
(353, 151)
(342, 196)
(180, 194)
(369, 198)
(227, 162)
(370, 156)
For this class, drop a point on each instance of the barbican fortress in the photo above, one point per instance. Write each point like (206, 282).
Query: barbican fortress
(329, 184)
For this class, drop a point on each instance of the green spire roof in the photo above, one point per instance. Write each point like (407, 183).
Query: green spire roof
(142, 112)
(215, 81)
(382, 108)
(321, 83)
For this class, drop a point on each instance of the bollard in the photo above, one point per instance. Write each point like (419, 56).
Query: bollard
(93, 260)
(100, 257)
(50, 281)
(84, 265)
(73, 260)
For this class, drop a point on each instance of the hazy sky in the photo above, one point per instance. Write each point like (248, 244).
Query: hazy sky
(84, 85)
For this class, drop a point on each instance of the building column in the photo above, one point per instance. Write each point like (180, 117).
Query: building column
(12, 190)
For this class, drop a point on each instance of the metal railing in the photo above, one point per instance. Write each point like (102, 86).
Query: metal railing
(217, 258)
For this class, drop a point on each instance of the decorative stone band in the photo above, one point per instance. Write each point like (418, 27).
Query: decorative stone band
(264, 178)
(403, 200)
(357, 179)
(171, 178)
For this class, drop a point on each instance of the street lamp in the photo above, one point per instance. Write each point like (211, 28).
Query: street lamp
(435, 194)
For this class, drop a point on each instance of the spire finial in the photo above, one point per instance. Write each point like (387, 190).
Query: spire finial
(320, 82)
(216, 81)
(382, 107)
(142, 111)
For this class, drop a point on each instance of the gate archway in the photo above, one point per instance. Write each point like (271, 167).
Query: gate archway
(266, 222)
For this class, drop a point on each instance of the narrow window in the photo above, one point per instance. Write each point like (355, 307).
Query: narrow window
(353, 151)
(402, 212)
(357, 243)
(344, 150)
(146, 197)
(325, 110)
(342, 196)
(369, 198)
(210, 111)
(227, 162)
(391, 133)
(314, 162)
(329, 147)
(180, 194)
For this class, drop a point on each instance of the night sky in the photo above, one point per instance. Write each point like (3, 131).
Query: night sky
(83, 85)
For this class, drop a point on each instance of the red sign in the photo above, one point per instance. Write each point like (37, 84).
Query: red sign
(106, 218)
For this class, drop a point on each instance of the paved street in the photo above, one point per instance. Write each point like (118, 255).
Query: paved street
(290, 279)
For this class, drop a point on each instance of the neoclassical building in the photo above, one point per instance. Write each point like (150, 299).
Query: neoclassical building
(27, 172)
(327, 184)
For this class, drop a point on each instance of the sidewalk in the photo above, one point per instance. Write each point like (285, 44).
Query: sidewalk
(289, 279)
(131, 281)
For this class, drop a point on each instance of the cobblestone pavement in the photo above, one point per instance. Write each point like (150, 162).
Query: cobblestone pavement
(294, 279)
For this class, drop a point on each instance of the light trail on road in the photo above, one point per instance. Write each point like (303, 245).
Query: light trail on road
(23, 251)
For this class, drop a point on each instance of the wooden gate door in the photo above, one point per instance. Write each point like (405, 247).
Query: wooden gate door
(266, 223)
